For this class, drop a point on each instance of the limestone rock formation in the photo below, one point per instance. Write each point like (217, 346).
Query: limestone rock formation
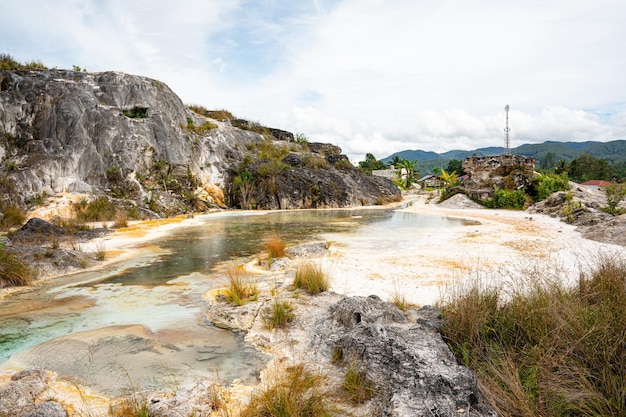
(17, 398)
(413, 371)
(131, 138)
(503, 171)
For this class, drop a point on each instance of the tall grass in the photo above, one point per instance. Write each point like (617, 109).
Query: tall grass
(312, 278)
(274, 246)
(240, 289)
(13, 270)
(296, 393)
(11, 216)
(546, 349)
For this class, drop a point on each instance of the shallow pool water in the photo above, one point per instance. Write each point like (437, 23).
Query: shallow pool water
(144, 319)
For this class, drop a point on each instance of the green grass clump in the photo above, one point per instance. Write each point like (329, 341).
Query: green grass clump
(546, 349)
(310, 277)
(221, 114)
(240, 290)
(205, 127)
(280, 314)
(13, 270)
(99, 209)
(357, 386)
(296, 393)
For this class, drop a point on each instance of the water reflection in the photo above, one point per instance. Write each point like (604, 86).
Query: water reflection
(160, 294)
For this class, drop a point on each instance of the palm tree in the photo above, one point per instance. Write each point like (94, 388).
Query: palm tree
(410, 169)
(449, 178)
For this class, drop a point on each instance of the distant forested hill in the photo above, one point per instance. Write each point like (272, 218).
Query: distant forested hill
(613, 152)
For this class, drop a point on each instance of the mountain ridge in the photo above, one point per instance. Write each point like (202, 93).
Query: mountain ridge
(612, 151)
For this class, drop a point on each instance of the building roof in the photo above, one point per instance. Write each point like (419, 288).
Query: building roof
(597, 183)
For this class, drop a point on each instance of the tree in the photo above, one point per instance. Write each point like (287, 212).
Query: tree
(244, 184)
(587, 167)
(371, 163)
(615, 193)
(449, 179)
(548, 161)
(407, 169)
(561, 167)
(456, 165)
(395, 160)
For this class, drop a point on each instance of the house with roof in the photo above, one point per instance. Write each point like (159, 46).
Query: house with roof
(596, 184)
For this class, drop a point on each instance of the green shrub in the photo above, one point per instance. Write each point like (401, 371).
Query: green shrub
(547, 184)
(614, 195)
(280, 314)
(311, 277)
(297, 393)
(8, 63)
(507, 199)
(315, 162)
(542, 348)
(205, 127)
(136, 113)
(99, 209)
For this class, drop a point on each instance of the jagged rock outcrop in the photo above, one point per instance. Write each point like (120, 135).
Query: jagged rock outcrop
(131, 138)
(413, 371)
(503, 171)
(105, 132)
(311, 188)
(17, 398)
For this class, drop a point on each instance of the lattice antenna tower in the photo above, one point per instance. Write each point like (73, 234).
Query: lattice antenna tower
(507, 130)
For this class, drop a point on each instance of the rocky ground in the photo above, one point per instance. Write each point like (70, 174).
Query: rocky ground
(400, 352)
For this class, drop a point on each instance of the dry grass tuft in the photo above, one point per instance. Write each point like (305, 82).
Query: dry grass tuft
(357, 386)
(13, 271)
(240, 289)
(121, 220)
(311, 277)
(546, 349)
(280, 314)
(295, 393)
(275, 246)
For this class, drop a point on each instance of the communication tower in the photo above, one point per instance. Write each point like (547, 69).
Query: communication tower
(507, 130)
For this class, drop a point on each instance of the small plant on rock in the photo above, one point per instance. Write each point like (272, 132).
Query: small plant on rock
(280, 314)
(295, 393)
(240, 290)
(311, 277)
(357, 386)
(615, 193)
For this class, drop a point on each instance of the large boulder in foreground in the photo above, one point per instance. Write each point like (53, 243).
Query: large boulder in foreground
(413, 370)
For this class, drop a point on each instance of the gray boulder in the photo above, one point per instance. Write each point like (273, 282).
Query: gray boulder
(413, 370)
(17, 398)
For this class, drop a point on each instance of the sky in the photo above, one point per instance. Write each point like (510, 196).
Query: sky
(372, 76)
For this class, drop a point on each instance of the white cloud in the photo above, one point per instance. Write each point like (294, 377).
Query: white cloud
(369, 75)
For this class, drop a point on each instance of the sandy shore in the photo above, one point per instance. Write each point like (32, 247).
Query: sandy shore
(491, 245)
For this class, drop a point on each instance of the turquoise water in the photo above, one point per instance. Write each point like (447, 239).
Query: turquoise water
(162, 294)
